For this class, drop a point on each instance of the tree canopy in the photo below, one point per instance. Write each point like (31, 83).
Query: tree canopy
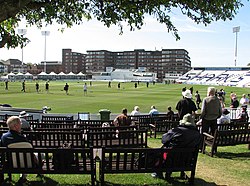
(110, 12)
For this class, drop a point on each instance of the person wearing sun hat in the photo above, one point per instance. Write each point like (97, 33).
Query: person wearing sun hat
(186, 135)
(25, 124)
(186, 105)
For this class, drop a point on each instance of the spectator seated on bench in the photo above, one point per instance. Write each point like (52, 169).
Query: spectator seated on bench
(185, 135)
(122, 119)
(22, 160)
(147, 160)
(25, 124)
(14, 139)
(243, 116)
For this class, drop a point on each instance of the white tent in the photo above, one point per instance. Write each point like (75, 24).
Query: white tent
(42, 74)
(52, 74)
(80, 74)
(11, 75)
(62, 74)
(19, 74)
(71, 74)
(28, 75)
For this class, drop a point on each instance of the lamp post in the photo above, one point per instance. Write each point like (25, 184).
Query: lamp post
(236, 30)
(22, 32)
(45, 34)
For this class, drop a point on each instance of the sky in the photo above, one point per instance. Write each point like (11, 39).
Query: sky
(208, 46)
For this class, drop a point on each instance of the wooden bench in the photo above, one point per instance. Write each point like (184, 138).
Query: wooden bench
(57, 119)
(132, 138)
(125, 160)
(52, 139)
(233, 126)
(52, 125)
(84, 124)
(164, 126)
(20, 160)
(58, 129)
(149, 122)
(225, 138)
(112, 129)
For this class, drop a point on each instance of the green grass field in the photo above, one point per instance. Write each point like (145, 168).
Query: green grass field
(231, 165)
(99, 96)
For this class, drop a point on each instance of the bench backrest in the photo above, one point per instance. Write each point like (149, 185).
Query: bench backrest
(121, 160)
(57, 119)
(232, 137)
(233, 126)
(52, 125)
(133, 138)
(58, 129)
(55, 139)
(85, 124)
(83, 161)
(21, 160)
(111, 129)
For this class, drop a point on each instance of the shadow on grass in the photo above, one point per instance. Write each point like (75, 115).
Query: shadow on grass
(230, 155)
(46, 181)
(172, 182)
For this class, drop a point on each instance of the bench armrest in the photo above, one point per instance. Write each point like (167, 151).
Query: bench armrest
(207, 135)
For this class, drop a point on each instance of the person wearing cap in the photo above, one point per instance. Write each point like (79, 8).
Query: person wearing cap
(186, 135)
(210, 111)
(186, 105)
(243, 116)
(25, 124)
(225, 118)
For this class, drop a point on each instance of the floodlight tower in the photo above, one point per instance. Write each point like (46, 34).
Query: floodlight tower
(45, 34)
(22, 32)
(236, 30)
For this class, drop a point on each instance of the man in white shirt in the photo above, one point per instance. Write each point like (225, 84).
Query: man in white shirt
(225, 118)
(244, 100)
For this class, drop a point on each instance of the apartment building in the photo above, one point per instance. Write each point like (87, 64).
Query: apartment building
(73, 61)
(99, 60)
(166, 61)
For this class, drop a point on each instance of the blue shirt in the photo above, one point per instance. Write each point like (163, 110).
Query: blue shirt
(12, 137)
(153, 112)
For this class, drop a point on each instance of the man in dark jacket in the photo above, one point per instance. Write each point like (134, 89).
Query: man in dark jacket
(186, 105)
(14, 136)
(185, 135)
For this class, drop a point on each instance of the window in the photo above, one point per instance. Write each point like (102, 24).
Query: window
(83, 116)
